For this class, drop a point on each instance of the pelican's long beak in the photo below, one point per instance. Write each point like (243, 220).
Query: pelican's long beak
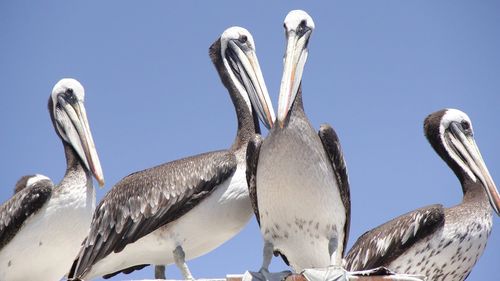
(295, 59)
(246, 65)
(78, 132)
(468, 150)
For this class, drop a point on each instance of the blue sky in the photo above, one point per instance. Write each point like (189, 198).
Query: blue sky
(375, 71)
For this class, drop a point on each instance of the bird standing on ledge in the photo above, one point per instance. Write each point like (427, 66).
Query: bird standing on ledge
(42, 227)
(297, 177)
(185, 208)
(439, 243)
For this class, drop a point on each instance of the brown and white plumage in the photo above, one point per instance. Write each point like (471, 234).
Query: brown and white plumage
(331, 144)
(439, 243)
(297, 176)
(147, 200)
(185, 208)
(32, 180)
(30, 194)
(42, 226)
(387, 242)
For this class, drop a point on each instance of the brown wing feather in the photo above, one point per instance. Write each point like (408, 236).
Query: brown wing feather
(331, 144)
(20, 207)
(381, 245)
(252, 158)
(146, 200)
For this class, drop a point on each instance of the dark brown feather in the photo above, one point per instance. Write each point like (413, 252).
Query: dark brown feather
(155, 197)
(20, 207)
(399, 234)
(252, 158)
(331, 144)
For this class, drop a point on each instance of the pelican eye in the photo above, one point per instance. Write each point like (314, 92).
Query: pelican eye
(243, 39)
(302, 28)
(466, 127)
(70, 96)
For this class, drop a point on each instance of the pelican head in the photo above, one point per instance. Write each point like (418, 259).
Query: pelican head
(70, 121)
(30, 181)
(450, 133)
(237, 50)
(298, 29)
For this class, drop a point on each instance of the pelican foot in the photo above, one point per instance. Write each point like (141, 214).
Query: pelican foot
(264, 275)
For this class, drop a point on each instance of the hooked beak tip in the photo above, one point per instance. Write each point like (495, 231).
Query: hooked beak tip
(101, 182)
(496, 204)
(98, 175)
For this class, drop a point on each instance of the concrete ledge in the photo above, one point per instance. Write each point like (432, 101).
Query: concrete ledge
(377, 274)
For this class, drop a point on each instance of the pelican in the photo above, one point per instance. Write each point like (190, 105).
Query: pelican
(30, 181)
(440, 243)
(185, 208)
(42, 228)
(298, 180)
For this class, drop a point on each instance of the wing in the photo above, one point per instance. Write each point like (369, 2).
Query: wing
(20, 207)
(144, 201)
(253, 151)
(381, 245)
(333, 149)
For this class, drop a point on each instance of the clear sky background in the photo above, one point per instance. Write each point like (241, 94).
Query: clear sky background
(375, 71)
